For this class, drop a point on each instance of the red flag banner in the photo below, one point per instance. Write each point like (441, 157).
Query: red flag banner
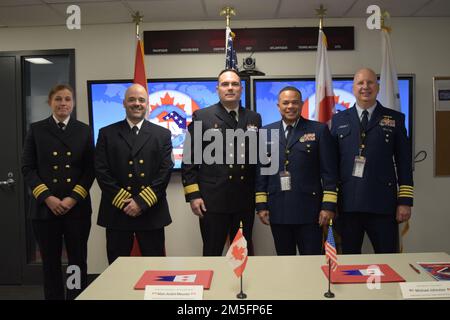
(139, 67)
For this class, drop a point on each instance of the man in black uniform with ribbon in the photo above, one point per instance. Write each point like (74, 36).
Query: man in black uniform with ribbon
(221, 193)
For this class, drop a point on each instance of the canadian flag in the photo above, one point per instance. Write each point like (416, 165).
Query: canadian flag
(324, 108)
(237, 254)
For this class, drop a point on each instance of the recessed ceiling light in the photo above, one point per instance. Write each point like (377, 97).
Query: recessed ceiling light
(38, 60)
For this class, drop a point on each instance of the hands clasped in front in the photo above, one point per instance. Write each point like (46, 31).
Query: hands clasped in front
(60, 207)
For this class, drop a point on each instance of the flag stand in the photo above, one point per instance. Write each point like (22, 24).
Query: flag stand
(241, 295)
(329, 294)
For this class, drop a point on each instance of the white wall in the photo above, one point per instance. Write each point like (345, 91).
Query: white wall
(107, 52)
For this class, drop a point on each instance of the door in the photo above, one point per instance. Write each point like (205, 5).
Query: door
(10, 228)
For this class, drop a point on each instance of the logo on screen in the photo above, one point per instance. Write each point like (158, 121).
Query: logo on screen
(172, 110)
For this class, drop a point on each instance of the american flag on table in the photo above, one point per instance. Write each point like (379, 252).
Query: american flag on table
(330, 249)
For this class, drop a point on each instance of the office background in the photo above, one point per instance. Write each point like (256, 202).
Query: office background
(106, 51)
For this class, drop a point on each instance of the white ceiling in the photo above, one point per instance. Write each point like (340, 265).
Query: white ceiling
(22, 13)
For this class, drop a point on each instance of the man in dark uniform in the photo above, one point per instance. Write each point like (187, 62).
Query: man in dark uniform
(374, 157)
(57, 165)
(301, 196)
(133, 166)
(221, 193)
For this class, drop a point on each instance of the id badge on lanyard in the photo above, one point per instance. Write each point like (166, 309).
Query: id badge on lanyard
(358, 166)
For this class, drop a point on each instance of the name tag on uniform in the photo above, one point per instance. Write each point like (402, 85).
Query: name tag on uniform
(358, 166)
(285, 181)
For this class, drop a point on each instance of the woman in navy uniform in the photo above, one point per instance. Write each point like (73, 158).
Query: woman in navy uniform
(57, 164)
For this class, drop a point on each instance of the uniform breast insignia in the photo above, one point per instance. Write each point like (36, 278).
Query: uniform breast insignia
(252, 127)
(308, 137)
(387, 122)
(343, 126)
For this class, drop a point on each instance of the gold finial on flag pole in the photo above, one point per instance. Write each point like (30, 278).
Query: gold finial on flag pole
(331, 222)
(321, 12)
(384, 16)
(228, 12)
(137, 19)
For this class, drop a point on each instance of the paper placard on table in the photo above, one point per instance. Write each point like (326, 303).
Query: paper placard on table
(173, 292)
(425, 290)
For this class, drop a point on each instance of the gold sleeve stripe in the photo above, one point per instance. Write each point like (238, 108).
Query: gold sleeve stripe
(39, 189)
(191, 188)
(330, 192)
(154, 195)
(405, 195)
(261, 193)
(329, 198)
(80, 190)
(120, 196)
(404, 187)
(261, 199)
(148, 196)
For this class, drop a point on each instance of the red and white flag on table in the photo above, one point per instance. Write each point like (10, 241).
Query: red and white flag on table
(140, 78)
(237, 254)
(324, 108)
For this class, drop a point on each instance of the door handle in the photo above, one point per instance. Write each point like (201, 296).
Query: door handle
(8, 182)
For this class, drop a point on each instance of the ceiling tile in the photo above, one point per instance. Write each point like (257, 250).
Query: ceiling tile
(172, 10)
(401, 8)
(307, 9)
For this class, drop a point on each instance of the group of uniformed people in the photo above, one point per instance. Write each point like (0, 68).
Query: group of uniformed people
(357, 167)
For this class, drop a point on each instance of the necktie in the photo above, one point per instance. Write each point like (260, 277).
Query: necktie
(289, 132)
(364, 120)
(61, 126)
(233, 116)
(133, 134)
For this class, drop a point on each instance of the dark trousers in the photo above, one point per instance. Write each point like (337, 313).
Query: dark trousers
(49, 236)
(120, 242)
(307, 238)
(382, 230)
(216, 227)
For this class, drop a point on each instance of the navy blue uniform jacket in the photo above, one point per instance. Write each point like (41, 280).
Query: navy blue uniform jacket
(387, 180)
(313, 168)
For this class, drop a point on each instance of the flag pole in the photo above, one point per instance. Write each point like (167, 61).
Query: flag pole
(227, 12)
(321, 12)
(137, 19)
(329, 294)
(241, 295)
